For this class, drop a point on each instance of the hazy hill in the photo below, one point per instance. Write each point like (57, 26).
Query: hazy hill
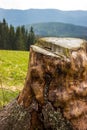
(23, 17)
(59, 29)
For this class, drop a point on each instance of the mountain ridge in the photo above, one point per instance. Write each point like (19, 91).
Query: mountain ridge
(58, 29)
(18, 17)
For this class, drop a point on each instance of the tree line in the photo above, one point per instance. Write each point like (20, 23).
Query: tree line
(15, 38)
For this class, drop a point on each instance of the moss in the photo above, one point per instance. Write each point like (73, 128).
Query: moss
(66, 52)
(53, 119)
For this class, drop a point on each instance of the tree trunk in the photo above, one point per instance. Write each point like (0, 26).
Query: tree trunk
(54, 94)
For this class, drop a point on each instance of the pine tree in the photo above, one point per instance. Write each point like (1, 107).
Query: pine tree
(31, 38)
(4, 35)
(19, 39)
(12, 38)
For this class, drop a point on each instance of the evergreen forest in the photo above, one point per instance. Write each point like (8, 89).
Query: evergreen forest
(15, 38)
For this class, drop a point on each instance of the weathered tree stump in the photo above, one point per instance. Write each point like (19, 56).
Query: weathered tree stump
(55, 92)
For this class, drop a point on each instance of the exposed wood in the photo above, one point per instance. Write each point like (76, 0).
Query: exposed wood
(54, 94)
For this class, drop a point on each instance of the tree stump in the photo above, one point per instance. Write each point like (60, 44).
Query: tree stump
(55, 92)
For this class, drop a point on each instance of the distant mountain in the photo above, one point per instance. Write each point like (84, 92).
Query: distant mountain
(30, 16)
(59, 29)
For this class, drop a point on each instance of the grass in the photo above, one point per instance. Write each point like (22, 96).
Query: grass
(6, 96)
(13, 69)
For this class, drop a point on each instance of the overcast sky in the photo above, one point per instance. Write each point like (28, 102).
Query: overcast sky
(55, 4)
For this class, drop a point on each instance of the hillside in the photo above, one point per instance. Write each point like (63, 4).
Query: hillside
(59, 29)
(30, 16)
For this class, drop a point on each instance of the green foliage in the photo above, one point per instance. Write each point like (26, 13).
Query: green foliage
(15, 39)
(31, 37)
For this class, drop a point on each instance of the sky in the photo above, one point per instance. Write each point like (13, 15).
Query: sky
(44, 4)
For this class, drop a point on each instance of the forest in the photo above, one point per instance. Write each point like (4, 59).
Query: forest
(15, 38)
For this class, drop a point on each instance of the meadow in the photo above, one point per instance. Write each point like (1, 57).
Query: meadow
(13, 70)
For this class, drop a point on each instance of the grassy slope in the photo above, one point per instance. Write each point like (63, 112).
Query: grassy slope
(13, 68)
(59, 29)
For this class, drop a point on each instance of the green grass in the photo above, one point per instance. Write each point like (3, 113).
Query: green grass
(13, 67)
(13, 70)
(6, 96)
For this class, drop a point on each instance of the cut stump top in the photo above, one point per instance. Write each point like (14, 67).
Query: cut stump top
(69, 43)
(58, 47)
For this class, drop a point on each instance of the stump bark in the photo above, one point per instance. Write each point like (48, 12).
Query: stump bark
(55, 92)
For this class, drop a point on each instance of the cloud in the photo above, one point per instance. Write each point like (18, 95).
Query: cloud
(56, 4)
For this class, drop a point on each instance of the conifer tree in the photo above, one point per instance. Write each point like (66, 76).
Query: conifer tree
(31, 38)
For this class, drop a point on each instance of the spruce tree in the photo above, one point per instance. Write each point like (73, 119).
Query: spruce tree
(31, 38)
